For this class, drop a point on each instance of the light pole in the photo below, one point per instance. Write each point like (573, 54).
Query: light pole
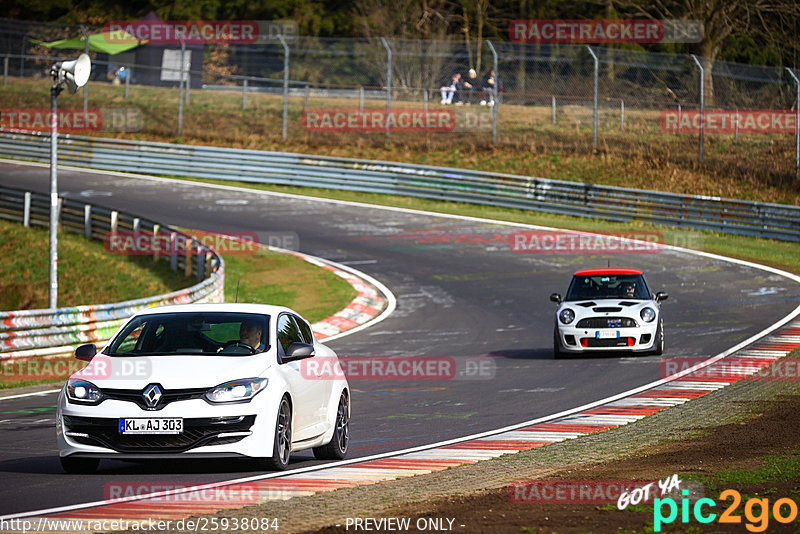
(74, 74)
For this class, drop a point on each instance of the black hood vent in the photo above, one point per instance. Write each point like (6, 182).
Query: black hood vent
(608, 309)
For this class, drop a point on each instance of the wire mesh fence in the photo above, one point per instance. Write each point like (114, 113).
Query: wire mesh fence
(739, 119)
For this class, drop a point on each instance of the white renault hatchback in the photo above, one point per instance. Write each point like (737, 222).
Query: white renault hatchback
(201, 381)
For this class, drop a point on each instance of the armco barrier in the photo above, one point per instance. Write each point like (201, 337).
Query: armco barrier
(773, 221)
(49, 332)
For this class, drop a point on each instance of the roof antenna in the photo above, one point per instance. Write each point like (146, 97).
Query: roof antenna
(237, 291)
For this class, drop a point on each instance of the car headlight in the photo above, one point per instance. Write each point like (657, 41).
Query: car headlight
(647, 314)
(236, 390)
(566, 316)
(83, 392)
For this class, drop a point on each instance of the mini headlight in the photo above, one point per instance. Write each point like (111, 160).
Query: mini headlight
(236, 390)
(566, 316)
(647, 314)
(83, 392)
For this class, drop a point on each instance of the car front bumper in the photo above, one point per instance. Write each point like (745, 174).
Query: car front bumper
(632, 339)
(209, 431)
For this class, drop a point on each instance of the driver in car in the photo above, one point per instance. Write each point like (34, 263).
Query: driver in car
(628, 290)
(250, 334)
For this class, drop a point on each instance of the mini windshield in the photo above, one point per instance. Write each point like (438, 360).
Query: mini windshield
(608, 286)
(212, 333)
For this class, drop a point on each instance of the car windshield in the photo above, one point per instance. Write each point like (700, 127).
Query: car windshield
(182, 333)
(608, 286)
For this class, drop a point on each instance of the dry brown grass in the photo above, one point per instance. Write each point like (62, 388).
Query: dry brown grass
(754, 166)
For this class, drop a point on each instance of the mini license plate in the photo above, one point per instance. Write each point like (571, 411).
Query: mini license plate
(606, 334)
(172, 425)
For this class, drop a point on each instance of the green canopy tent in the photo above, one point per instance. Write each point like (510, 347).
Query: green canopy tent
(98, 42)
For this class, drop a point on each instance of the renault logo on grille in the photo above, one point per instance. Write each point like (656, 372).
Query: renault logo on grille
(152, 394)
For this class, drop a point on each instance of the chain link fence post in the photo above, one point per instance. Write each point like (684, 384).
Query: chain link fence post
(85, 87)
(796, 124)
(388, 84)
(496, 95)
(702, 108)
(594, 103)
(180, 88)
(5, 70)
(284, 131)
(128, 74)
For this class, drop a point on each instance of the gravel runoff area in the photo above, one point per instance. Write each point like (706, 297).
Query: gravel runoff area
(731, 428)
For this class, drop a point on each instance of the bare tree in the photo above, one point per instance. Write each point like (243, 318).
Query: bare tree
(721, 19)
(418, 29)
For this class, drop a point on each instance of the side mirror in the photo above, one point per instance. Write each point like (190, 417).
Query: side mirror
(661, 295)
(86, 352)
(299, 351)
(556, 297)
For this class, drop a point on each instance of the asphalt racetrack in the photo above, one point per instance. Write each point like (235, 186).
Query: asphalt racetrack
(461, 293)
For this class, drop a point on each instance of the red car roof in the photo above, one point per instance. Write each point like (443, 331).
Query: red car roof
(596, 272)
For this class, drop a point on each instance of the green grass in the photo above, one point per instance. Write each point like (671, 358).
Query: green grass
(87, 274)
(84, 266)
(779, 254)
(274, 278)
(775, 469)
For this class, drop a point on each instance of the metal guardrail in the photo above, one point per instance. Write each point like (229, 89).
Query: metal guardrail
(775, 221)
(48, 332)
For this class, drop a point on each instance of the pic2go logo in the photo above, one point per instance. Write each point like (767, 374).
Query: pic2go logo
(756, 511)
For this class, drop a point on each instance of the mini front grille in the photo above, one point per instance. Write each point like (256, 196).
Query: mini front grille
(607, 343)
(606, 322)
(104, 432)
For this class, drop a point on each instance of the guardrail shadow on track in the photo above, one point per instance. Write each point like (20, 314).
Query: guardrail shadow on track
(53, 332)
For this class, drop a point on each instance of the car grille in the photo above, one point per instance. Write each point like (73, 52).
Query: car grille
(104, 432)
(606, 322)
(168, 396)
(608, 343)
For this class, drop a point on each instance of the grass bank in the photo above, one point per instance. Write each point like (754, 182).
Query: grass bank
(89, 275)
(642, 155)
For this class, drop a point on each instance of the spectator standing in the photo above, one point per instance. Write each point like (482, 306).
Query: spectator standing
(491, 82)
